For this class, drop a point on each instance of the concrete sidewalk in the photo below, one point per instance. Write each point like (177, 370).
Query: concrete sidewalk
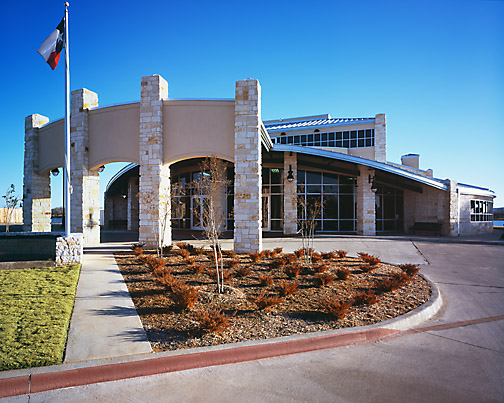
(104, 322)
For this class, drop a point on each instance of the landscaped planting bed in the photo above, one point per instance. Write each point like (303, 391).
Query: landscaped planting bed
(268, 295)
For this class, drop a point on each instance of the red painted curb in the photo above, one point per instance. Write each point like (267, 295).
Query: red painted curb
(113, 372)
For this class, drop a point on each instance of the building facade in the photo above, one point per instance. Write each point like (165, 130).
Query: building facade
(275, 171)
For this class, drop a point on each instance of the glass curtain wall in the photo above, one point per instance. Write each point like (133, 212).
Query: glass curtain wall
(272, 203)
(336, 195)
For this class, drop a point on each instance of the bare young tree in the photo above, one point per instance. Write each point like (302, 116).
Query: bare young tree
(309, 211)
(211, 190)
(12, 201)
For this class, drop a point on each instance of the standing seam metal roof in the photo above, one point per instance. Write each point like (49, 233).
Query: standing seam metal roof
(316, 122)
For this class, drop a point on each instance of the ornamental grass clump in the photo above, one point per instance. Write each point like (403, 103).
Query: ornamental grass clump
(368, 297)
(299, 253)
(265, 301)
(233, 263)
(335, 307)
(365, 268)
(321, 268)
(156, 263)
(342, 273)
(370, 259)
(278, 263)
(315, 257)
(292, 270)
(291, 258)
(409, 269)
(341, 253)
(184, 253)
(199, 268)
(212, 321)
(328, 255)
(243, 271)
(265, 280)
(323, 279)
(255, 257)
(184, 295)
(286, 288)
(138, 250)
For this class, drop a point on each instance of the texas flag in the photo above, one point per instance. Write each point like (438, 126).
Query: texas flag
(52, 46)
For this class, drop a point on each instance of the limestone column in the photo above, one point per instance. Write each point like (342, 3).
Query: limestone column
(366, 203)
(36, 187)
(154, 183)
(454, 211)
(248, 180)
(85, 193)
(380, 135)
(290, 194)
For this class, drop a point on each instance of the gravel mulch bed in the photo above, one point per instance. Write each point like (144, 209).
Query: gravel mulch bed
(169, 328)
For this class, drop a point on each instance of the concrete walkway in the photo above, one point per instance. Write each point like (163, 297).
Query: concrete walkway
(104, 321)
(456, 356)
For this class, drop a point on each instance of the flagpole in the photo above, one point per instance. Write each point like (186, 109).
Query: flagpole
(67, 130)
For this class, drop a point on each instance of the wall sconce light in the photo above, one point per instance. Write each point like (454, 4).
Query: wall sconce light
(55, 172)
(124, 196)
(371, 180)
(101, 168)
(290, 174)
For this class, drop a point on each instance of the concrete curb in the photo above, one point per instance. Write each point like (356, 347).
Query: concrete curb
(22, 382)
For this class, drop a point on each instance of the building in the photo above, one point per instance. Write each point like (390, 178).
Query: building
(339, 163)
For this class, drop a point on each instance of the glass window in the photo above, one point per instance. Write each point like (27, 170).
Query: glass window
(481, 210)
(313, 177)
(296, 139)
(330, 206)
(361, 134)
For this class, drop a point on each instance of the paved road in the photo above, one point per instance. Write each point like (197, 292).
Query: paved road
(459, 359)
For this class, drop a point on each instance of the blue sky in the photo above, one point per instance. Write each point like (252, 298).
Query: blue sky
(436, 68)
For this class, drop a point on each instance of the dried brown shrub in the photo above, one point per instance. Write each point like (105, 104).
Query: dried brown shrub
(394, 282)
(323, 279)
(265, 301)
(409, 269)
(365, 268)
(316, 258)
(199, 268)
(368, 297)
(287, 288)
(182, 245)
(299, 253)
(341, 253)
(156, 263)
(275, 252)
(169, 281)
(278, 263)
(291, 258)
(328, 255)
(320, 268)
(335, 307)
(371, 260)
(342, 274)
(212, 321)
(265, 281)
(184, 253)
(233, 263)
(138, 250)
(255, 257)
(362, 255)
(184, 295)
(292, 270)
(243, 271)
(190, 260)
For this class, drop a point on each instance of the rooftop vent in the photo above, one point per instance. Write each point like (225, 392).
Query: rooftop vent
(411, 160)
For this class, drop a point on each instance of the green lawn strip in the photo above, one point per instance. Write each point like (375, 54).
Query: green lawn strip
(35, 309)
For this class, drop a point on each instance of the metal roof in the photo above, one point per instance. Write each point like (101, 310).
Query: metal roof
(362, 161)
(290, 124)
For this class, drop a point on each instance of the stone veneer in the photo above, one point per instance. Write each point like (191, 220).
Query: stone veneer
(248, 180)
(36, 187)
(69, 250)
(381, 138)
(290, 194)
(85, 193)
(366, 203)
(154, 183)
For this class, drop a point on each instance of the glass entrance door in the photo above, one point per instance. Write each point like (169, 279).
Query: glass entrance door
(198, 205)
(266, 213)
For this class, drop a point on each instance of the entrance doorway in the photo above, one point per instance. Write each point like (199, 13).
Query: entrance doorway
(199, 204)
(389, 209)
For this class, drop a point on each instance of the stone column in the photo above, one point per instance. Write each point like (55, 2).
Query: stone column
(85, 196)
(248, 180)
(366, 203)
(453, 206)
(36, 187)
(154, 183)
(132, 204)
(290, 194)
(380, 134)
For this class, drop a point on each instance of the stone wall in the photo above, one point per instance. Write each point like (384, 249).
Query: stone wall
(468, 227)
(85, 196)
(248, 171)
(154, 183)
(381, 138)
(366, 203)
(36, 186)
(69, 250)
(432, 205)
(290, 194)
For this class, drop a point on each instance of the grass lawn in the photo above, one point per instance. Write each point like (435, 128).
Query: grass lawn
(35, 309)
